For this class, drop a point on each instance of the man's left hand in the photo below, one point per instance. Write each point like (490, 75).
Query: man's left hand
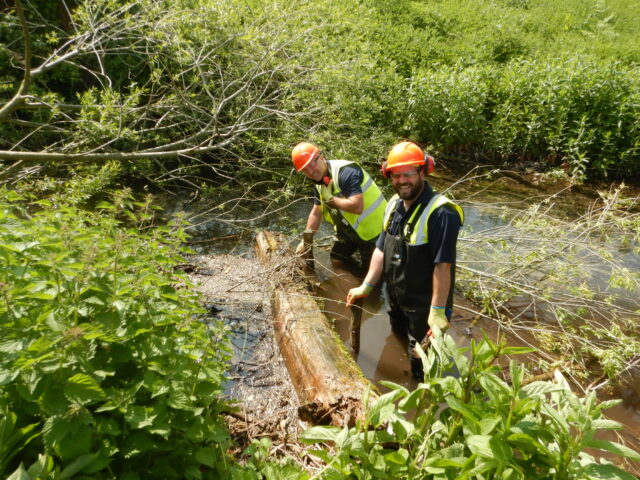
(326, 193)
(438, 318)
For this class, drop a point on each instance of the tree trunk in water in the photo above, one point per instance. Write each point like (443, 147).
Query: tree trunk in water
(329, 384)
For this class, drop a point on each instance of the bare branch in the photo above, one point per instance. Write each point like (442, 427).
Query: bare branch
(19, 98)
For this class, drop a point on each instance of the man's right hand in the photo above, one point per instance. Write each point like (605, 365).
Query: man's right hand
(300, 248)
(359, 292)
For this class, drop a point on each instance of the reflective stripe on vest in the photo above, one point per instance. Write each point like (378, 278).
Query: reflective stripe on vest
(420, 234)
(368, 224)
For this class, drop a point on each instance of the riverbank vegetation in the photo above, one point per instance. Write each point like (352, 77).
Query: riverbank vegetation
(473, 425)
(223, 89)
(109, 368)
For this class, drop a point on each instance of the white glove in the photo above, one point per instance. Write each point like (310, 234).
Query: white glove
(300, 248)
(325, 193)
(438, 318)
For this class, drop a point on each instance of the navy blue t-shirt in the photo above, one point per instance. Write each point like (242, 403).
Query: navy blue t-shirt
(349, 180)
(444, 225)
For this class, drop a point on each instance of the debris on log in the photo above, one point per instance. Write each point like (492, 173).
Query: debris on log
(328, 382)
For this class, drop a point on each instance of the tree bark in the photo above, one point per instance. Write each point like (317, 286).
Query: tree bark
(329, 384)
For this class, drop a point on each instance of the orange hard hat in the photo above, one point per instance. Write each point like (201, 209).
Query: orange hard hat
(407, 153)
(302, 154)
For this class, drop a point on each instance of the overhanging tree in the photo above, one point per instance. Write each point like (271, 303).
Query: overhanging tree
(159, 84)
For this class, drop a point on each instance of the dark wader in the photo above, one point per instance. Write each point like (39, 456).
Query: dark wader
(349, 242)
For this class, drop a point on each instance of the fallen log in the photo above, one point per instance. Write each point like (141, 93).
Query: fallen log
(329, 384)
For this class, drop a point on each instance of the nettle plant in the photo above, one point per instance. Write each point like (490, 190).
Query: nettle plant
(473, 424)
(107, 367)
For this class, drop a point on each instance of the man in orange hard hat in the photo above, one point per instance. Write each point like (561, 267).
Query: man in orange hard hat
(416, 251)
(344, 195)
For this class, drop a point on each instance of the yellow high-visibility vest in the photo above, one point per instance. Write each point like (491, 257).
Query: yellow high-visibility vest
(420, 234)
(369, 223)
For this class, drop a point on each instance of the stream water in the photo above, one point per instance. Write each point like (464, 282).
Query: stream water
(382, 355)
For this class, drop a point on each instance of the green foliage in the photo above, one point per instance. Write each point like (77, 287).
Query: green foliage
(237, 83)
(499, 80)
(260, 466)
(13, 439)
(106, 364)
(473, 425)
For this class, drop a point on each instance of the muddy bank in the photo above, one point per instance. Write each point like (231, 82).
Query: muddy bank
(235, 291)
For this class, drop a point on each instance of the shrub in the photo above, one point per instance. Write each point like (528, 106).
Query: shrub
(474, 425)
(103, 346)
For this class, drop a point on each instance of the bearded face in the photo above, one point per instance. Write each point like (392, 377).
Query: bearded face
(407, 181)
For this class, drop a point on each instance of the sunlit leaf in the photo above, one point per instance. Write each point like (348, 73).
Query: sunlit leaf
(613, 447)
(540, 388)
(83, 390)
(320, 434)
(607, 472)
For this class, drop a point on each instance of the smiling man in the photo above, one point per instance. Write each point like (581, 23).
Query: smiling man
(416, 251)
(344, 195)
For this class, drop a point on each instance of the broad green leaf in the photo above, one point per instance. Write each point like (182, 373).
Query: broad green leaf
(395, 386)
(343, 439)
(495, 387)
(320, 434)
(206, 456)
(8, 376)
(11, 346)
(511, 474)
(540, 388)
(323, 455)
(489, 447)
(411, 401)
(77, 465)
(402, 428)
(381, 413)
(527, 443)
(613, 447)
(517, 350)
(178, 399)
(489, 423)
(137, 442)
(140, 417)
(83, 390)
(400, 457)
(608, 472)
(468, 411)
(41, 467)
(559, 420)
(450, 384)
(481, 465)
(605, 424)
(387, 399)
(19, 474)
(457, 462)
(604, 405)
(516, 371)
(55, 429)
